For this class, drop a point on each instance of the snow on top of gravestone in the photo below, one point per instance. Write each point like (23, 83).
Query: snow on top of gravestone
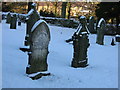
(83, 32)
(101, 20)
(34, 4)
(34, 74)
(82, 17)
(36, 24)
(30, 12)
(91, 17)
(117, 35)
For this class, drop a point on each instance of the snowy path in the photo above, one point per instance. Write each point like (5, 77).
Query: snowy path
(102, 71)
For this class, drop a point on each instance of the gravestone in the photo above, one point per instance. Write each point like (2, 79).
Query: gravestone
(117, 38)
(13, 22)
(100, 31)
(40, 37)
(91, 24)
(19, 23)
(8, 18)
(31, 18)
(80, 45)
(83, 25)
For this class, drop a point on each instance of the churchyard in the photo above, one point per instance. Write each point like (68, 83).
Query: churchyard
(37, 54)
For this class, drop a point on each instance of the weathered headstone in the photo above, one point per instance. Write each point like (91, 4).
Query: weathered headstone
(80, 44)
(8, 20)
(83, 25)
(100, 31)
(40, 37)
(117, 37)
(13, 22)
(31, 18)
(91, 24)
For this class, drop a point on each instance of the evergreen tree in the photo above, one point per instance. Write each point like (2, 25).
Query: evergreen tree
(109, 10)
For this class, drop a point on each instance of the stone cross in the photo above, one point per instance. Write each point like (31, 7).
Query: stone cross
(100, 31)
(31, 18)
(40, 37)
(13, 22)
(91, 24)
(80, 45)
(8, 18)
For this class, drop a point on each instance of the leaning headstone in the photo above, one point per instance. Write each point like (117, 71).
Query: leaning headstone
(31, 18)
(40, 37)
(91, 24)
(80, 44)
(8, 18)
(13, 22)
(100, 31)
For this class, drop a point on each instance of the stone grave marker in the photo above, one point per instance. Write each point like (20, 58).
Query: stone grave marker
(91, 24)
(40, 37)
(100, 31)
(13, 22)
(8, 19)
(82, 26)
(117, 38)
(31, 18)
(80, 45)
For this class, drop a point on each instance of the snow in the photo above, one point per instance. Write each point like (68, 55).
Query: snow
(30, 12)
(36, 24)
(102, 71)
(117, 35)
(101, 20)
(34, 4)
(0, 56)
(91, 17)
(82, 17)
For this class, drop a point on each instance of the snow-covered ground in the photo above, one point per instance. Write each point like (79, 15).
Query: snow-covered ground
(102, 71)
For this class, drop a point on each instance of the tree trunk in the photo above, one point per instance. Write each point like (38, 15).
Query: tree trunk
(63, 13)
(56, 8)
(117, 24)
(69, 9)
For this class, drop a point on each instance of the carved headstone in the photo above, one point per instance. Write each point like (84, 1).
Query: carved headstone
(80, 44)
(100, 31)
(8, 20)
(13, 22)
(31, 18)
(91, 24)
(82, 26)
(40, 37)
